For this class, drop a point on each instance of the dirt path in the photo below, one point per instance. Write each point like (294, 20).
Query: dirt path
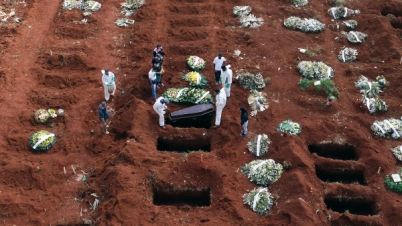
(18, 61)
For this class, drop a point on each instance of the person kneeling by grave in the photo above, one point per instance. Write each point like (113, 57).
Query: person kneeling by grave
(160, 107)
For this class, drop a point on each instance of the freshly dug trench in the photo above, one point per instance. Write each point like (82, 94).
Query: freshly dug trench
(184, 144)
(334, 151)
(183, 196)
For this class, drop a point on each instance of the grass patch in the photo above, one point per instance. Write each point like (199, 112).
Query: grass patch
(337, 2)
(327, 85)
(391, 185)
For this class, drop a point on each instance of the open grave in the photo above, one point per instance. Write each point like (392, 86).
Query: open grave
(340, 175)
(334, 151)
(350, 205)
(394, 16)
(184, 144)
(182, 196)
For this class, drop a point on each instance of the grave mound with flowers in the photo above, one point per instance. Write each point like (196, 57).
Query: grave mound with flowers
(262, 172)
(247, 19)
(299, 3)
(355, 36)
(389, 127)
(260, 200)
(42, 115)
(305, 25)
(259, 145)
(347, 55)
(196, 63)
(342, 12)
(370, 93)
(42, 140)
(288, 126)
(251, 81)
(188, 95)
(258, 101)
(196, 79)
(397, 151)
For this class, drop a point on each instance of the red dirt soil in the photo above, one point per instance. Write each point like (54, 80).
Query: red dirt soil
(51, 59)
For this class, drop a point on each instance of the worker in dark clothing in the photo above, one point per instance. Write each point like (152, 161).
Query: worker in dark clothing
(158, 52)
(244, 121)
(103, 116)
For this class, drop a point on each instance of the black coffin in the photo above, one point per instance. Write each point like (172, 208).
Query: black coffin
(199, 116)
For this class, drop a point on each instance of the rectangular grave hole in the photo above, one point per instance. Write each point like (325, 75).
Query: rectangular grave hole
(340, 175)
(334, 151)
(183, 196)
(184, 144)
(350, 205)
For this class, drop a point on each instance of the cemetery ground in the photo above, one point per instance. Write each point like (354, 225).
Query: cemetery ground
(334, 170)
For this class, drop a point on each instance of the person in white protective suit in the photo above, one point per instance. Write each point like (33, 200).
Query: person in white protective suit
(227, 75)
(220, 104)
(160, 107)
(108, 81)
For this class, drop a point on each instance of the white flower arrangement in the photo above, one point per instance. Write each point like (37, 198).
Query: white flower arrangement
(347, 55)
(260, 200)
(355, 36)
(251, 81)
(368, 88)
(258, 101)
(390, 127)
(305, 25)
(247, 20)
(188, 95)
(315, 70)
(351, 24)
(374, 104)
(130, 6)
(311, 26)
(397, 151)
(241, 11)
(196, 63)
(259, 145)
(292, 22)
(81, 4)
(370, 92)
(342, 12)
(299, 3)
(262, 172)
(251, 21)
(124, 22)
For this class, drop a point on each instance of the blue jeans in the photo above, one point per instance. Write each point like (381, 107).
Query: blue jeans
(245, 127)
(153, 88)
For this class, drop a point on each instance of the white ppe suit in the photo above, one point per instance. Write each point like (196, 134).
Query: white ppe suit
(160, 109)
(227, 80)
(108, 80)
(220, 104)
